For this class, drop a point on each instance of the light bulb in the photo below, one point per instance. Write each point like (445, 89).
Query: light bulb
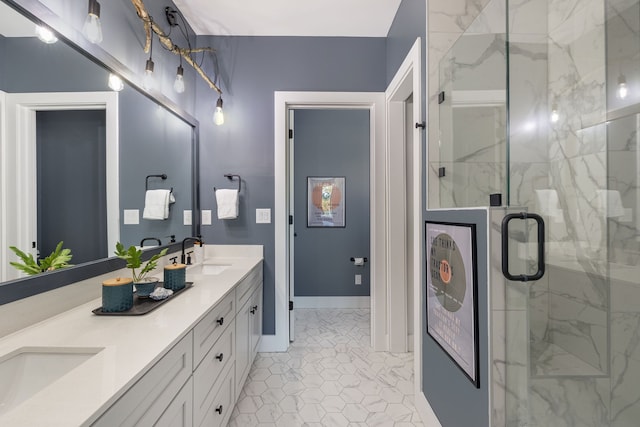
(92, 28)
(554, 114)
(115, 82)
(623, 91)
(178, 84)
(218, 115)
(148, 80)
(45, 35)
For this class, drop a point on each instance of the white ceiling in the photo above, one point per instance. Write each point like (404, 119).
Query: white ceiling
(347, 18)
(13, 24)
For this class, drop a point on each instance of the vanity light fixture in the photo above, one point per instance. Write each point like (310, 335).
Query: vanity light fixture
(178, 84)
(218, 114)
(45, 34)
(92, 28)
(622, 91)
(115, 82)
(148, 80)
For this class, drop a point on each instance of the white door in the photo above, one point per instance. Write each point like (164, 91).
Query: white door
(292, 233)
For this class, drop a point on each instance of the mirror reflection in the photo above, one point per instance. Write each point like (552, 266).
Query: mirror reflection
(76, 155)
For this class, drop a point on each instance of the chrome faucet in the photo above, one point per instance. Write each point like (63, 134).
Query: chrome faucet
(197, 240)
(150, 238)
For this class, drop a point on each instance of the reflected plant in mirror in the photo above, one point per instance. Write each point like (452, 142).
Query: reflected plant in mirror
(59, 258)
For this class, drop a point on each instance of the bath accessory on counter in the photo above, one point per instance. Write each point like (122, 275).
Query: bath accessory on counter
(160, 294)
(117, 295)
(146, 286)
(174, 276)
(156, 204)
(141, 305)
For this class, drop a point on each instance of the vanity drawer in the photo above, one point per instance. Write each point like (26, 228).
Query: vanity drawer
(211, 327)
(247, 286)
(219, 406)
(146, 400)
(214, 366)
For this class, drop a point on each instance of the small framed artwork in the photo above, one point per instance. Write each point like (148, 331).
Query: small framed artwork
(452, 293)
(326, 202)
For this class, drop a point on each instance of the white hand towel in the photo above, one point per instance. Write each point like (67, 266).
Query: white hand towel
(228, 201)
(156, 204)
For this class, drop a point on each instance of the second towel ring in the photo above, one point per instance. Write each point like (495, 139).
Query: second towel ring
(230, 176)
(162, 176)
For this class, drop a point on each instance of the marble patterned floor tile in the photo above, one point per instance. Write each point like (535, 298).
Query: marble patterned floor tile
(330, 376)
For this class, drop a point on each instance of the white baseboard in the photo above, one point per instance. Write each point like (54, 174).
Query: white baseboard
(274, 343)
(332, 302)
(429, 418)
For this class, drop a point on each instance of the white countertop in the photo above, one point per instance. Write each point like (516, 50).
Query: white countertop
(132, 344)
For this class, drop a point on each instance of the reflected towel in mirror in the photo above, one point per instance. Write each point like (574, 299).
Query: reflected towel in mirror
(227, 201)
(156, 204)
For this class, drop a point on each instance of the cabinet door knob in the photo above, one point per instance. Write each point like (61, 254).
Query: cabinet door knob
(219, 409)
(220, 321)
(220, 356)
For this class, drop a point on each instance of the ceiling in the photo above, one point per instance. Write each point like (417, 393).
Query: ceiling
(345, 18)
(13, 24)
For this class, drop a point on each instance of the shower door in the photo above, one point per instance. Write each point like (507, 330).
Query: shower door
(539, 101)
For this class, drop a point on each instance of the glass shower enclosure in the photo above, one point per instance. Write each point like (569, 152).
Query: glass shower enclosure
(539, 101)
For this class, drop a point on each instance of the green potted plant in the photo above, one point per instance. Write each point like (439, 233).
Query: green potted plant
(139, 272)
(59, 258)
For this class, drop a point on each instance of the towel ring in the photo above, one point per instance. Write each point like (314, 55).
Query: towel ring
(162, 176)
(230, 177)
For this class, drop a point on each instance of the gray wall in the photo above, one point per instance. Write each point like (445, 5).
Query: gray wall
(332, 143)
(454, 399)
(409, 23)
(252, 69)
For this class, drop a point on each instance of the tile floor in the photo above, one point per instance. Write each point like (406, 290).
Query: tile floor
(329, 377)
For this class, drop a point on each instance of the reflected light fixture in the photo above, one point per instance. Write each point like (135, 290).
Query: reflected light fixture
(622, 91)
(148, 80)
(115, 82)
(218, 115)
(178, 84)
(45, 34)
(92, 28)
(554, 114)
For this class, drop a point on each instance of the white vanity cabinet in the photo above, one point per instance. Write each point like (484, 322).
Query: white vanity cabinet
(196, 383)
(146, 402)
(248, 324)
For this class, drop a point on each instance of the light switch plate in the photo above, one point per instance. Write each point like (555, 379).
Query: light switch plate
(187, 217)
(263, 216)
(131, 216)
(206, 217)
(358, 279)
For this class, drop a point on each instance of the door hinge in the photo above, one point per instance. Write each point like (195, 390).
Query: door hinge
(290, 219)
(290, 305)
(290, 133)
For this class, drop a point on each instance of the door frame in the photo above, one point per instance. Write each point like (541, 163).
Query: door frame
(19, 161)
(375, 103)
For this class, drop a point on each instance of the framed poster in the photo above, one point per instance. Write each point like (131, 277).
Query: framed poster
(452, 291)
(325, 202)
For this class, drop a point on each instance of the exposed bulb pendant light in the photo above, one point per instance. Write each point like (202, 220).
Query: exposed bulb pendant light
(148, 79)
(622, 91)
(115, 82)
(92, 28)
(218, 115)
(178, 84)
(45, 35)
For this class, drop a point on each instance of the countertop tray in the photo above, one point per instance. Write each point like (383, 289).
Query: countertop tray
(142, 305)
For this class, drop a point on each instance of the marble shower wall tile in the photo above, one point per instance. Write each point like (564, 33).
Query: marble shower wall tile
(579, 286)
(625, 369)
(569, 402)
(453, 16)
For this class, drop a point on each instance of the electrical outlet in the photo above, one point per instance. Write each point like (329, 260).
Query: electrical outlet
(206, 217)
(187, 217)
(358, 279)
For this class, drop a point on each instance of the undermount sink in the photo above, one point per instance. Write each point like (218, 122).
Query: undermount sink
(26, 371)
(209, 269)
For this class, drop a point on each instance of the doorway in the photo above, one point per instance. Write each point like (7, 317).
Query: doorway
(329, 153)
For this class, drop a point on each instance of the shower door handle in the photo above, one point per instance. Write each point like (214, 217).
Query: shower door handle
(505, 247)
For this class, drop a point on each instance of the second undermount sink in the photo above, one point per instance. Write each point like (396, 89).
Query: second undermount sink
(26, 371)
(208, 269)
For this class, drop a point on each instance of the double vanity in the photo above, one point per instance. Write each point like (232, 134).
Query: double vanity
(182, 364)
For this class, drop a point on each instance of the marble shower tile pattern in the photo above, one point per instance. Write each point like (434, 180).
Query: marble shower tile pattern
(330, 376)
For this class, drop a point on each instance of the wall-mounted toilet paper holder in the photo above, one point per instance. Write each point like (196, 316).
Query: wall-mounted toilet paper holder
(358, 261)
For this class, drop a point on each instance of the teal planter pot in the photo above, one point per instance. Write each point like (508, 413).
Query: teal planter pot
(143, 289)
